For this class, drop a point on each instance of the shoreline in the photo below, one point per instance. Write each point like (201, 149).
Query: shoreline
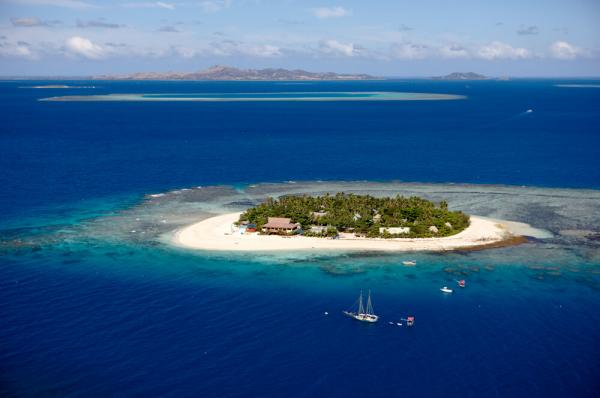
(215, 234)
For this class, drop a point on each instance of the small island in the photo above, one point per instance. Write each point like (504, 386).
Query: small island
(56, 86)
(462, 76)
(361, 215)
(348, 222)
(264, 97)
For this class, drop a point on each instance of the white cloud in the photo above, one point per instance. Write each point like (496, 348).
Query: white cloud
(335, 47)
(499, 50)
(98, 24)
(330, 12)
(85, 47)
(155, 4)
(23, 51)
(32, 22)
(214, 5)
(168, 6)
(54, 3)
(186, 52)
(564, 50)
(17, 50)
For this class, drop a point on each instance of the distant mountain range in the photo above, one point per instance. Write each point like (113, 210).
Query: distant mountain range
(220, 72)
(462, 76)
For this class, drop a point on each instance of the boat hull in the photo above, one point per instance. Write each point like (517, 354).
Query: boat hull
(363, 317)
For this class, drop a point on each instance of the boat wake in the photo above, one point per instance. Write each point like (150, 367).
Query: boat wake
(521, 114)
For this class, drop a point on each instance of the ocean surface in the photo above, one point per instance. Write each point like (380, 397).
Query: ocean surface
(95, 301)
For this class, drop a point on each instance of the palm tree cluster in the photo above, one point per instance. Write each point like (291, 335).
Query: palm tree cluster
(364, 215)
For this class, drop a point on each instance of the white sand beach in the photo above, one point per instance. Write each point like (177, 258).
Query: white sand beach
(216, 234)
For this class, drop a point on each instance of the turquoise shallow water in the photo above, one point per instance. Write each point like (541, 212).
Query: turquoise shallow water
(103, 305)
(268, 96)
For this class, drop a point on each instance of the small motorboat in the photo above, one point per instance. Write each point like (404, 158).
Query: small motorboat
(446, 289)
(461, 283)
(410, 321)
(409, 262)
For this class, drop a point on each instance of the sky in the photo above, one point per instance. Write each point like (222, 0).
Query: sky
(522, 38)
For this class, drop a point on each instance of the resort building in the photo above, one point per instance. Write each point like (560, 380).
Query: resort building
(318, 214)
(279, 225)
(394, 230)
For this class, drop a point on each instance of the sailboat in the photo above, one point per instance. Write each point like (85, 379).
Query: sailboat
(363, 314)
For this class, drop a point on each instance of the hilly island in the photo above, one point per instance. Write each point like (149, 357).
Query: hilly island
(222, 72)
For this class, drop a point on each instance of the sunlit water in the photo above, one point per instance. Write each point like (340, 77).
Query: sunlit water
(95, 301)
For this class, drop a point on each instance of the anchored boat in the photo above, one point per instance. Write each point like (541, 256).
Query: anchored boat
(363, 314)
(410, 321)
(446, 289)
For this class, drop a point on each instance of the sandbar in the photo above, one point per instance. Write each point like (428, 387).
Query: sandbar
(269, 97)
(578, 85)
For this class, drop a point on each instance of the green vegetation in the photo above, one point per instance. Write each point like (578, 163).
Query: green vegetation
(364, 215)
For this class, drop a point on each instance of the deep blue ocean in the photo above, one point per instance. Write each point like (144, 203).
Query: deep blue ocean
(94, 303)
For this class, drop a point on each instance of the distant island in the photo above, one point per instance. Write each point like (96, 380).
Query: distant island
(221, 72)
(461, 76)
(361, 215)
(56, 86)
(229, 73)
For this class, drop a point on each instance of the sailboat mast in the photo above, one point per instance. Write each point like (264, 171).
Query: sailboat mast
(369, 304)
(361, 309)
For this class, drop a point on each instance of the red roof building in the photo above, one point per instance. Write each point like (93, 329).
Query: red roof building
(280, 225)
